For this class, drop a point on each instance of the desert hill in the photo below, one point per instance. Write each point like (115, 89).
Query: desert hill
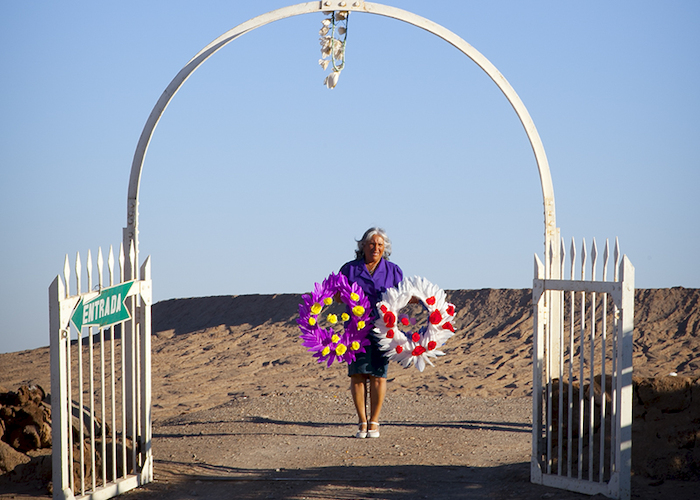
(490, 354)
(250, 342)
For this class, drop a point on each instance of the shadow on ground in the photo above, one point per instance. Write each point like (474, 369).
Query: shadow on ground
(184, 480)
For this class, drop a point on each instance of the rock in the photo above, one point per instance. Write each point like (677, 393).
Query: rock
(36, 471)
(28, 427)
(666, 428)
(25, 438)
(10, 458)
(668, 394)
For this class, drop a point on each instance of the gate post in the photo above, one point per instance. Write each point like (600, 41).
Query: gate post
(539, 315)
(624, 381)
(59, 397)
(60, 309)
(145, 360)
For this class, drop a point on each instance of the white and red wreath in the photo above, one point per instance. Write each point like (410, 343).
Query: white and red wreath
(415, 346)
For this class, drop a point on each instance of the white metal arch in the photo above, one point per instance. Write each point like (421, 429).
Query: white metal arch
(131, 231)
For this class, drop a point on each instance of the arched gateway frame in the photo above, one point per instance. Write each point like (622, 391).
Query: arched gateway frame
(613, 478)
(131, 232)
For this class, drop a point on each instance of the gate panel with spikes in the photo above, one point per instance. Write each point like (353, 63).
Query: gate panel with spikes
(582, 379)
(101, 379)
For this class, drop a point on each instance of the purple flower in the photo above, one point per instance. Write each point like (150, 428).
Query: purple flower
(327, 344)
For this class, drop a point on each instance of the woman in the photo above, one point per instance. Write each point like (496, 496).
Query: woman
(373, 272)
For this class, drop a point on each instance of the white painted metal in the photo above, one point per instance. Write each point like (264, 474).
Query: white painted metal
(595, 349)
(539, 320)
(81, 403)
(113, 412)
(122, 275)
(570, 407)
(103, 483)
(145, 406)
(59, 308)
(551, 232)
(625, 331)
(603, 371)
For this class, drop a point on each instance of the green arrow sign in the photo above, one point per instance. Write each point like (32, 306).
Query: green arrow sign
(106, 309)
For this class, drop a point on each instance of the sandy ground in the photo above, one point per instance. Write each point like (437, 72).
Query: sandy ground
(242, 411)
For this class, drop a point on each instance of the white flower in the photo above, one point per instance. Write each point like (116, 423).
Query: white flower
(332, 80)
(338, 49)
(324, 63)
(326, 44)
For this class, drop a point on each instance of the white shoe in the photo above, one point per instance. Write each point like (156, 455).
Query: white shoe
(360, 432)
(373, 433)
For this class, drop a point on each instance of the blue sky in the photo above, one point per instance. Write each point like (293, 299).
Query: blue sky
(259, 179)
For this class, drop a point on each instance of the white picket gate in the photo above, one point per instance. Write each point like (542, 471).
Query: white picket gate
(101, 382)
(582, 375)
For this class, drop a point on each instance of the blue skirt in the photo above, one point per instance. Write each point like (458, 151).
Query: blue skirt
(371, 362)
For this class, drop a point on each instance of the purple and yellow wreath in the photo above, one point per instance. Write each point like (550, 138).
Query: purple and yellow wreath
(329, 343)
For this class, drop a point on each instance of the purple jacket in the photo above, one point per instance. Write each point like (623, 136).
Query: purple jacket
(386, 275)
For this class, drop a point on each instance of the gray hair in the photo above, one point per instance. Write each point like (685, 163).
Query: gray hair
(360, 252)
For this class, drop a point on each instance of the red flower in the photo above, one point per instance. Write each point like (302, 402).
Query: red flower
(383, 308)
(451, 309)
(389, 319)
(415, 337)
(390, 334)
(418, 350)
(432, 345)
(405, 321)
(435, 317)
(399, 349)
(448, 326)
(430, 301)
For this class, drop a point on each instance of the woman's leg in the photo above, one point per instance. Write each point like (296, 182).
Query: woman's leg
(357, 389)
(377, 391)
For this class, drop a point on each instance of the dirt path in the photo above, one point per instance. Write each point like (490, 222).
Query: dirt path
(299, 445)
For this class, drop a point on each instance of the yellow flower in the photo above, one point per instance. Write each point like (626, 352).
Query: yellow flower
(332, 319)
(360, 325)
(312, 321)
(354, 297)
(335, 339)
(328, 301)
(344, 316)
(326, 350)
(358, 310)
(355, 346)
(316, 308)
(340, 349)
